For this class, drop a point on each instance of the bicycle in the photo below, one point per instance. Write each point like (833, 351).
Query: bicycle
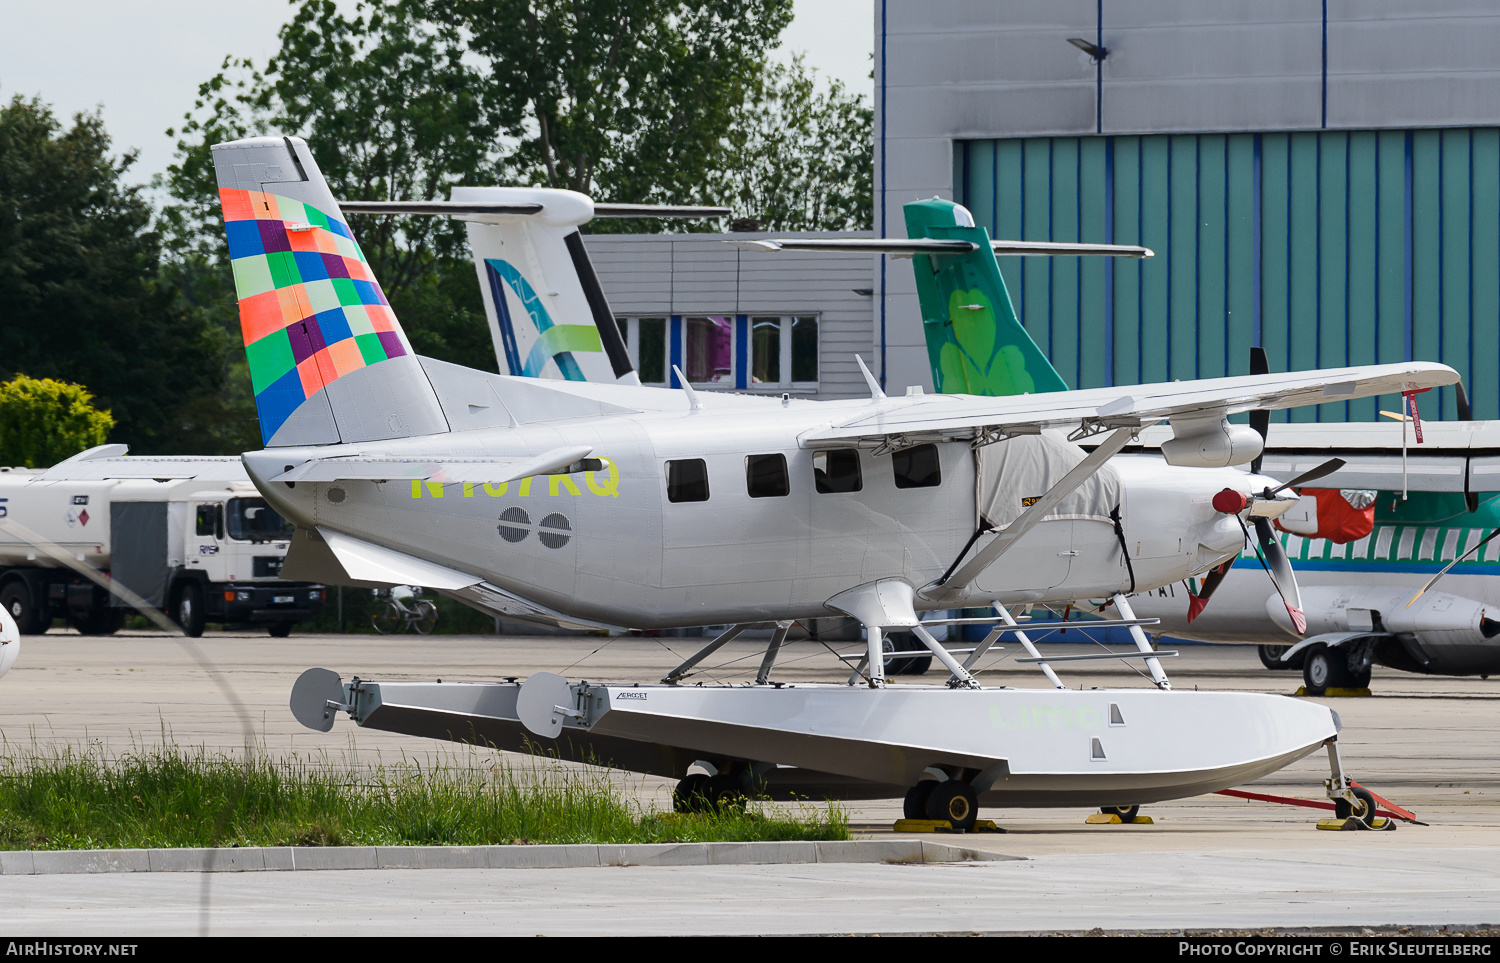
(400, 609)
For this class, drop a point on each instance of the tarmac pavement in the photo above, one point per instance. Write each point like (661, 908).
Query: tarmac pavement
(1426, 743)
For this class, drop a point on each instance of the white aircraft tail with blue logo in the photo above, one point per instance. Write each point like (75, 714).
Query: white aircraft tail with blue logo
(548, 315)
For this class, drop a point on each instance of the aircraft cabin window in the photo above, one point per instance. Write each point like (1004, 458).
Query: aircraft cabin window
(765, 476)
(687, 480)
(917, 467)
(837, 471)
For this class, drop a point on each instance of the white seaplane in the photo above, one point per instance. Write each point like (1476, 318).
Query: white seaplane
(614, 505)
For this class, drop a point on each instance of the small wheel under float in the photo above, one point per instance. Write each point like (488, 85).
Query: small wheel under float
(955, 801)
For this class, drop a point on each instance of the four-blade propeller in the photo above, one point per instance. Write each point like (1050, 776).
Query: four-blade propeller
(1272, 555)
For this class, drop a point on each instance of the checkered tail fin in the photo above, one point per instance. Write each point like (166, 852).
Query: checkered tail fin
(328, 359)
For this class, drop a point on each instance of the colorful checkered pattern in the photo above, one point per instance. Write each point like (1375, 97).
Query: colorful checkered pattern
(310, 310)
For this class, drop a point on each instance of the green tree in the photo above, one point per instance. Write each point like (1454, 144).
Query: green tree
(800, 160)
(391, 111)
(631, 99)
(82, 292)
(43, 421)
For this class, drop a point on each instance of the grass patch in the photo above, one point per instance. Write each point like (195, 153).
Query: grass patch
(163, 797)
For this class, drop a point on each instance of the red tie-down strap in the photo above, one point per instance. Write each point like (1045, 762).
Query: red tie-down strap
(1409, 399)
(1391, 810)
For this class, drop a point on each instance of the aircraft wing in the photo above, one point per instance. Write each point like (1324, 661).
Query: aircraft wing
(493, 470)
(965, 417)
(1454, 456)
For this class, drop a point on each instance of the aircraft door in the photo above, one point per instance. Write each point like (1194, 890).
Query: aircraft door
(1040, 561)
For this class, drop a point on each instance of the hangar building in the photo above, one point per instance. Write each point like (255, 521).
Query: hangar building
(1321, 177)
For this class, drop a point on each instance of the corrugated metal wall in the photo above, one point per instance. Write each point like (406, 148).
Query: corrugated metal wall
(1327, 247)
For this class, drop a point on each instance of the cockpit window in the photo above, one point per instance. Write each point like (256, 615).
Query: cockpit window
(917, 467)
(252, 520)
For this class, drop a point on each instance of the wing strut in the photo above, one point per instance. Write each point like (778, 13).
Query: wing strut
(1028, 519)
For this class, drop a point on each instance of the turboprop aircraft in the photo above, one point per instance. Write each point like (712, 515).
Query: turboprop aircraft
(1369, 544)
(617, 505)
(1361, 561)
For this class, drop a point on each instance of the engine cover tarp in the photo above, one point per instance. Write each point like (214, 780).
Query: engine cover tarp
(1011, 474)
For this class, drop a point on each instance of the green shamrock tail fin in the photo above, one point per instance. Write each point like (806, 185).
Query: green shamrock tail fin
(975, 343)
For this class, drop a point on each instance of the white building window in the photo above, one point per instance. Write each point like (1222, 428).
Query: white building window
(783, 351)
(646, 340)
(725, 351)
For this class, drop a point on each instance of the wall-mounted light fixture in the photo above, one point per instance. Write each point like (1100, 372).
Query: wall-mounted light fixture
(1095, 52)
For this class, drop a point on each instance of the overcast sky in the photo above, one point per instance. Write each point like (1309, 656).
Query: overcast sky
(141, 61)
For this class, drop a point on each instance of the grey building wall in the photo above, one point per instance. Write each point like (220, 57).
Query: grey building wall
(688, 274)
(994, 69)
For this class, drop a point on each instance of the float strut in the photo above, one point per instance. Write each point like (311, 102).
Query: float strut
(1143, 644)
(728, 636)
(777, 638)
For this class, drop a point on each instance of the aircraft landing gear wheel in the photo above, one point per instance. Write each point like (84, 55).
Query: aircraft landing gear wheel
(187, 610)
(956, 802)
(688, 796)
(1270, 657)
(1363, 809)
(915, 804)
(1321, 670)
(724, 793)
(18, 601)
(280, 630)
(1127, 814)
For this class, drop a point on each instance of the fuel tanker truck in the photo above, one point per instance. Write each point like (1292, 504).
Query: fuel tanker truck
(190, 535)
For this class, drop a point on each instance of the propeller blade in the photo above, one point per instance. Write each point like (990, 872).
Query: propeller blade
(1281, 572)
(1197, 603)
(1260, 418)
(1327, 468)
(1465, 412)
(1433, 581)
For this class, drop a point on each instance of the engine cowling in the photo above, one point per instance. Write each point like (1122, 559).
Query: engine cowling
(1211, 443)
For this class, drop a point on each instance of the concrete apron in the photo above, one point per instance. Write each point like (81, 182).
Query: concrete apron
(581, 855)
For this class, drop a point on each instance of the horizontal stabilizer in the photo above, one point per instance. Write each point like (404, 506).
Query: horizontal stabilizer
(1068, 249)
(227, 468)
(461, 208)
(558, 461)
(907, 247)
(437, 208)
(368, 562)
